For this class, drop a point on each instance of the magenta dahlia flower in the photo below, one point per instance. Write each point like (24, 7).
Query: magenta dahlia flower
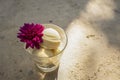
(31, 34)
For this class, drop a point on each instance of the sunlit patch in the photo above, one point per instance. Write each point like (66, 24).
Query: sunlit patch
(99, 10)
(87, 43)
(75, 29)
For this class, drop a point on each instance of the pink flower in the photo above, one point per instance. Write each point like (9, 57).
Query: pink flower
(31, 34)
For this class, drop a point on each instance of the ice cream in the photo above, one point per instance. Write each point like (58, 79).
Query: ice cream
(43, 52)
(51, 39)
(51, 42)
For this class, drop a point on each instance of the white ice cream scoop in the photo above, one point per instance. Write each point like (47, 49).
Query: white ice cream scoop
(43, 52)
(51, 39)
(52, 34)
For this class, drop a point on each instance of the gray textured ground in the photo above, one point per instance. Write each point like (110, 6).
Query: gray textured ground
(96, 48)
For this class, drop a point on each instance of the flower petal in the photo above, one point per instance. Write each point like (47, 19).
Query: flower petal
(31, 34)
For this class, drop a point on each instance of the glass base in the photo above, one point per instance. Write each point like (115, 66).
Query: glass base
(47, 69)
(52, 75)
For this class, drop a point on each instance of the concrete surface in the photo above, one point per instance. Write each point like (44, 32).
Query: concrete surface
(93, 51)
(93, 28)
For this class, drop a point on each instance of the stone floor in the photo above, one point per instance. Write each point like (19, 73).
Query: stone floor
(93, 29)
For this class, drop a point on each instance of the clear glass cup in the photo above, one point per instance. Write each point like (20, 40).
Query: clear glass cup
(48, 64)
